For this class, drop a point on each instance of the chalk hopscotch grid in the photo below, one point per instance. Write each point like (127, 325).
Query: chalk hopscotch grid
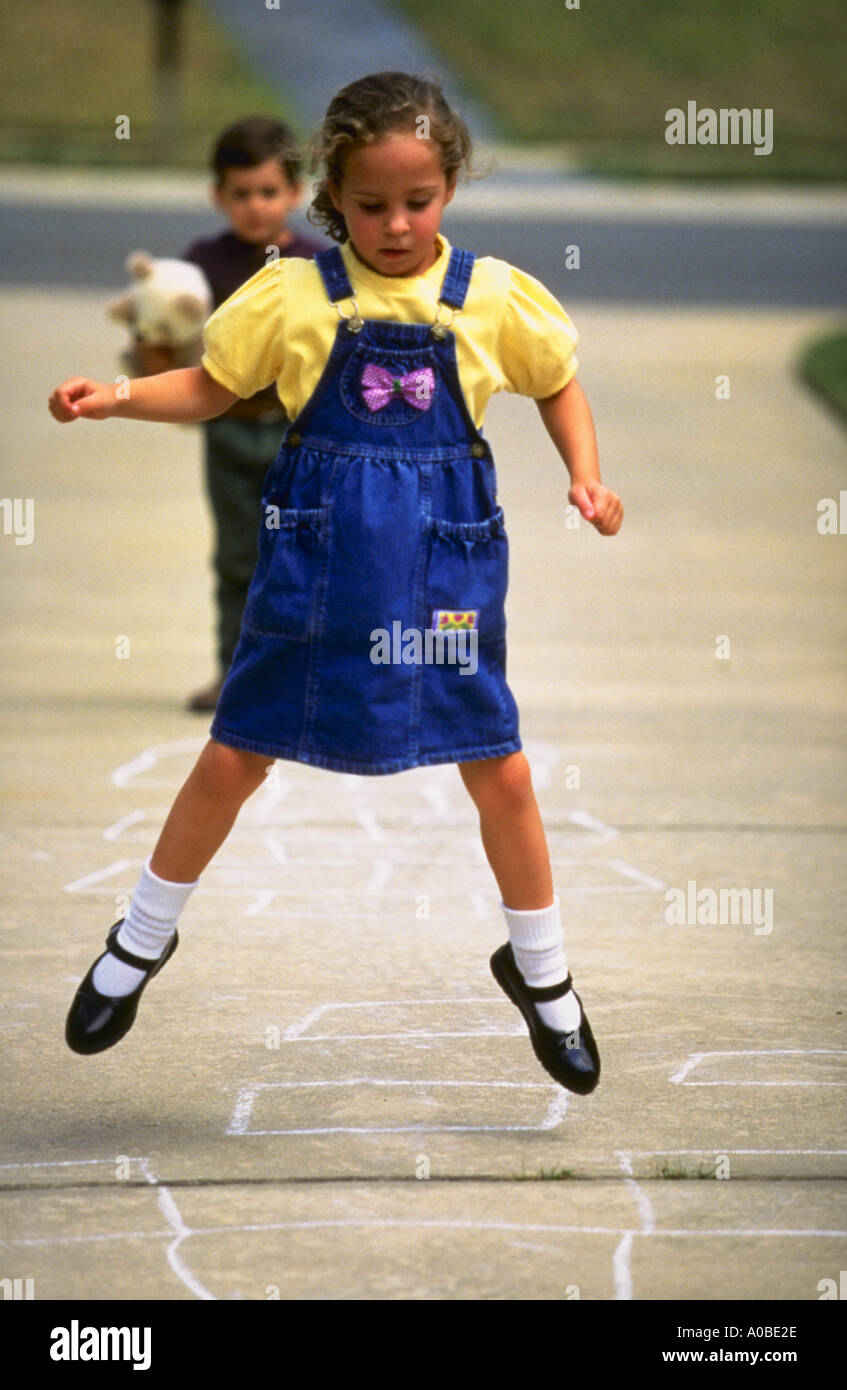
(234, 877)
(176, 1231)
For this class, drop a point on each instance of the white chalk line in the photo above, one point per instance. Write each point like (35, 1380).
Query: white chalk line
(117, 828)
(719, 1149)
(263, 900)
(263, 897)
(630, 871)
(180, 1232)
(268, 799)
(173, 1216)
(405, 849)
(435, 799)
(286, 913)
(276, 848)
(247, 1096)
(621, 1261)
(516, 1226)
(83, 1240)
(67, 1163)
(401, 842)
(177, 1228)
(81, 884)
(679, 1076)
(597, 827)
(127, 772)
(557, 1109)
(520, 1030)
(379, 1223)
(149, 758)
(367, 819)
(397, 1129)
(295, 1030)
(242, 881)
(260, 902)
(405, 1081)
(621, 1266)
(382, 871)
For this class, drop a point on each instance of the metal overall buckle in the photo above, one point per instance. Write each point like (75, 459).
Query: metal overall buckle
(440, 326)
(355, 322)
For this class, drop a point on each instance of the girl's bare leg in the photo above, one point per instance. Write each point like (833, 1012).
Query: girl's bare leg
(512, 833)
(205, 810)
(103, 1009)
(516, 846)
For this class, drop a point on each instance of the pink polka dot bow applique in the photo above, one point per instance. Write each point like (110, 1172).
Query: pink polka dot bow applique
(380, 386)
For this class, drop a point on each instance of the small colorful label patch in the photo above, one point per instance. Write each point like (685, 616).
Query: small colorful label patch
(454, 620)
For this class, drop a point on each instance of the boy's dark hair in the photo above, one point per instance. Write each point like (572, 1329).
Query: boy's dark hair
(254, 140)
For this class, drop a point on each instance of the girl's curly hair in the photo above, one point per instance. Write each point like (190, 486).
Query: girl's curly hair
(366, 110)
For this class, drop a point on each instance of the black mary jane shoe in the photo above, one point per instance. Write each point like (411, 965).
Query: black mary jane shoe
(572, 1058)
(97, 1021)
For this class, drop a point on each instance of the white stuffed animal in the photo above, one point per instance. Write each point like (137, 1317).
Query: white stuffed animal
(166, 307)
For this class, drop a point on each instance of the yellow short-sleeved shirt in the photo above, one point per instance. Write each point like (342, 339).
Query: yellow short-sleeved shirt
(279, 327)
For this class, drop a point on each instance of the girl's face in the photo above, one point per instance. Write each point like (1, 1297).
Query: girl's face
(392, 195)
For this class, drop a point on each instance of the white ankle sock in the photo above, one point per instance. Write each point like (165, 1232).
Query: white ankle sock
(538, 945)
(146, 931)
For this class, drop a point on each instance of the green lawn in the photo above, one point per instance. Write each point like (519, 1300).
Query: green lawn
(823, 367)
(595, 81)
(601, 77)
(69, 70)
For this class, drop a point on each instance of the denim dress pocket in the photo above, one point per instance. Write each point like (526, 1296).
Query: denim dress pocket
(467, 576)
(282, 592)
(401, 386)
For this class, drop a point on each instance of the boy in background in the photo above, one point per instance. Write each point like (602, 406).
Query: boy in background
(257, 183)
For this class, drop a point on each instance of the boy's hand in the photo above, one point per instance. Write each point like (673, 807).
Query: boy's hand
(78, 397)
(599, 505)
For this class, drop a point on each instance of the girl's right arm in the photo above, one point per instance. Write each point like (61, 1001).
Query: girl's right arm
(185, 396)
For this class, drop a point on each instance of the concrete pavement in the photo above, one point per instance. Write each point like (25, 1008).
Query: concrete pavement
(325, 1093)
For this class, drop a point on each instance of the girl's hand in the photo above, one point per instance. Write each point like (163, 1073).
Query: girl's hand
(599, 505)
(78, 397)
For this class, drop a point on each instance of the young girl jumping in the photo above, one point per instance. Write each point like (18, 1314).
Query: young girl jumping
(379, 518)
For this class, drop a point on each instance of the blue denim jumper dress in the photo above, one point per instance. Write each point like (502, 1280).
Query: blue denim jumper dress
(380, 520)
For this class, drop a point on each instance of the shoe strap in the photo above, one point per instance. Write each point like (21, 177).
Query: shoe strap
(114, 948)
(543, 994)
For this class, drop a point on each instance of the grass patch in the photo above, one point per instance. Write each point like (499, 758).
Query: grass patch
(69, 71)
(594, 81)
(545, 1175)
(678, 1170)
(823, 367)
(600, 78)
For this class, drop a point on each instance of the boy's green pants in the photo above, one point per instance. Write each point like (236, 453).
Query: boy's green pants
(238, 454)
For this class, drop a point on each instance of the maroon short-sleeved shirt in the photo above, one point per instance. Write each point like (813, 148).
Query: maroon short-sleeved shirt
(227, 262)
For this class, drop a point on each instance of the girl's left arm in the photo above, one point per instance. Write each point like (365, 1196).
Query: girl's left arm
(567, 419)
